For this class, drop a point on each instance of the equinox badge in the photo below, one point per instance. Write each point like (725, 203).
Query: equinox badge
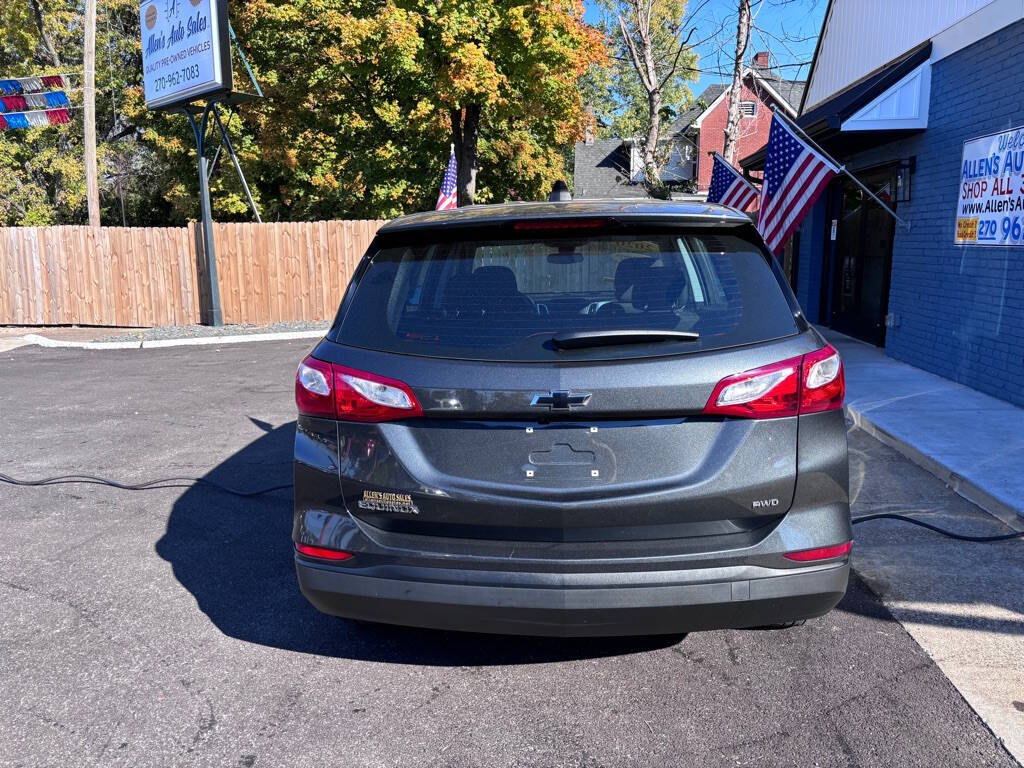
(560, 400)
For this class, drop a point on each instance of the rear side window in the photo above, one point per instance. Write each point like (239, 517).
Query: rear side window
(504, 299)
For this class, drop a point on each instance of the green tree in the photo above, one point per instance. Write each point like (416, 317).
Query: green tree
(42, 178)
(363, 98)
(367, 121)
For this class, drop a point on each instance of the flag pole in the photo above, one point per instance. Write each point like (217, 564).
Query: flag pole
(840, 166)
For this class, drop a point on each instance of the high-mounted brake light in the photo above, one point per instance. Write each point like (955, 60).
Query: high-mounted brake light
(322, 553)
(807, 384)
(820, 553)
(336, 392)
(548, 224)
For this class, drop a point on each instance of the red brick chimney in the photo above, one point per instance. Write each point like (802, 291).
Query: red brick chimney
(762, 59)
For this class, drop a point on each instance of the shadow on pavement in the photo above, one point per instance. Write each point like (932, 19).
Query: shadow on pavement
(235, 556)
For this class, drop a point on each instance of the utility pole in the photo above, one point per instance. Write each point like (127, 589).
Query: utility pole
(732, 125)
(92, 190)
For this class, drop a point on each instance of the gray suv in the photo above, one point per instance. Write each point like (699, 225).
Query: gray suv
(571, 418)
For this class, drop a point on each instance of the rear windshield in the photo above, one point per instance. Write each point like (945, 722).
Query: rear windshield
(506, 299)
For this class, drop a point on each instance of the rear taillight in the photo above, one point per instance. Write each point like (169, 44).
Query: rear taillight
(314, 388)
(762, 393)
(824, 382)
(336, 392)
(807, 384)
(322, 553)
(820, 553)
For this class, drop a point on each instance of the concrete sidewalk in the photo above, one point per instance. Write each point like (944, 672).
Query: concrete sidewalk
(971, 441)
(960, 601)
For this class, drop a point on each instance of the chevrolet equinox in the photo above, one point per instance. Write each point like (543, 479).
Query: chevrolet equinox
(571, 418)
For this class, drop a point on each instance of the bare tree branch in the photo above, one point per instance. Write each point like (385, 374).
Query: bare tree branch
(736, 90)
(48, 47)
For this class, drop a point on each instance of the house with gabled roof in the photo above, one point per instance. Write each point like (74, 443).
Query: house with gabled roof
(613, 167)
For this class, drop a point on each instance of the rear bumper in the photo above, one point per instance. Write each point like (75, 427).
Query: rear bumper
(635, 604)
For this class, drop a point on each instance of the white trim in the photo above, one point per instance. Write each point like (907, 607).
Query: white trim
(700, 118)
(774, 94)
(909, 98)
(975, 26)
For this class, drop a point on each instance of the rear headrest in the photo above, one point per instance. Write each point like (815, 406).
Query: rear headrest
(659, 289)
(458, 289)
(628, 272)
(495, 281)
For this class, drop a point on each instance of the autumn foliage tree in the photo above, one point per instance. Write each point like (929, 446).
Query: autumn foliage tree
(363, 98)
(367, 120)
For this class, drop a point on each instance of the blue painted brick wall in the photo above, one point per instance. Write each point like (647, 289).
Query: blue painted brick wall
(961, 307)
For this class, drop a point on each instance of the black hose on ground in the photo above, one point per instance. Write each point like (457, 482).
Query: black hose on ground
(187, 482)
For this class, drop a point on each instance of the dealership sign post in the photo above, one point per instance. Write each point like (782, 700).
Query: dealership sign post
(990, 210)
(186, 67)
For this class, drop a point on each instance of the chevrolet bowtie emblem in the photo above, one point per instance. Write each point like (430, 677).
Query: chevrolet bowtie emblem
(560, 400)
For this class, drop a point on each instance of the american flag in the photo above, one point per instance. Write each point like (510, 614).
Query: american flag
(449, 198)
(728, 187)
(794, 176)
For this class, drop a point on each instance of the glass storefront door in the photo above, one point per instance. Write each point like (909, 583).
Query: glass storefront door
(863, 257)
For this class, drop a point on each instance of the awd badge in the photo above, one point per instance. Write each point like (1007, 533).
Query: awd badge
(385, 501)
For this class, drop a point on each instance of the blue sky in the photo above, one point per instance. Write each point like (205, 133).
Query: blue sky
(787, 28)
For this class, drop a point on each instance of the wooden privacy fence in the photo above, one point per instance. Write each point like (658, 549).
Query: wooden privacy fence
(146, 276)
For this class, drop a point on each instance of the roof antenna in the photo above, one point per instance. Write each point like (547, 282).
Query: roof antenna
(559, 193)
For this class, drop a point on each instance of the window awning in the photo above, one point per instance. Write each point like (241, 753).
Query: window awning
(878, 108)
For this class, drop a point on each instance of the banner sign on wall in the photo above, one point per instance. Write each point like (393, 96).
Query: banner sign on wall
(990, 210)
(185, 50)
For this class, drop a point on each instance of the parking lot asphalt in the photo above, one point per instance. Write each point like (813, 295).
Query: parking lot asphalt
(164, 627)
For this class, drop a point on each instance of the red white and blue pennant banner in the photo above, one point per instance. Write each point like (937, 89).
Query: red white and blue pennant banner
(15, 120)
(19, 102)
(12, 86)
(27, 102)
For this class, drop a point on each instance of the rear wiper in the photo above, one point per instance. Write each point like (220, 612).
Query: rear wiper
(582, 339)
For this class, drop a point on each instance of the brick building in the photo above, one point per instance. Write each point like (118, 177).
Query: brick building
(926, 109)
(613, 168)
(703, 125)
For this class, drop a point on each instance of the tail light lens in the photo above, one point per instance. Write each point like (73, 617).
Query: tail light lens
(336, 392)
(821, 553)
(807, 384)
(824, 381)
(762, 393)
(314, 394)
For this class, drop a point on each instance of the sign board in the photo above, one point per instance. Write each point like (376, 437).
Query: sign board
(186, 52)
(990, 209)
